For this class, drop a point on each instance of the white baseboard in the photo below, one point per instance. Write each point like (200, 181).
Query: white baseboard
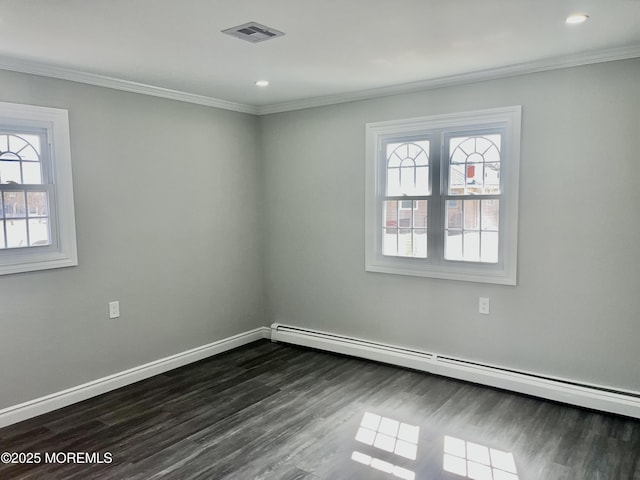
(602, 398)
(45, 404)
(597, 397)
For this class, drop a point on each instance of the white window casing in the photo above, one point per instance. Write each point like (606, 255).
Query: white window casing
(59, 249)
(428, 252)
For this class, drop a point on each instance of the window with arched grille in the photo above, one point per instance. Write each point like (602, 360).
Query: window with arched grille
(37, 226)
(25, 187)
(407, 191)
(442, 196)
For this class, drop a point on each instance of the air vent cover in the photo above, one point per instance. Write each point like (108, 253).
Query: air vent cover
(253, 32)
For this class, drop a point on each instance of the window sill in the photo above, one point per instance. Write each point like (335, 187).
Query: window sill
(28, 260)
(459, 272)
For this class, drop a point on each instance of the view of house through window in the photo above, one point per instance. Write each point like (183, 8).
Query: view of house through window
(472, 194)
(24, 199)
(405, 208)
(37, 224)
(442, 196)
(472, 223)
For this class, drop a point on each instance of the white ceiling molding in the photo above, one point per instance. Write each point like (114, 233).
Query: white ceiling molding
(47, 70)
(554, 63)
(42, 69)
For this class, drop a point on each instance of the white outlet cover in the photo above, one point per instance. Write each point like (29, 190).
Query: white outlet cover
(114, 309)
(483, 305)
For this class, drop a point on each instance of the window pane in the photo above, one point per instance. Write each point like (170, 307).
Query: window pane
(471, 246)
(391, 214)
(489, 250)
(490, 214)
(453, 245)
(420, 213)
(405, 245)
(393, 182)
(473, 178)
(390, 242)
(24, 146)
(458, 153)
(420, 243)
(465, 220)
(16, 233)
(454, 214)
(37, 204)
(39, 231)
(422, 180)
(492, 178)
(457, 180)
(14, 204)
(408, 168)
(410, 217)
(2, 245)
(474, 165)
(404, 217)
(10, 172)
(394, 156)
(407, 179)
(27, 146)
(32, 173)
(471, 214)
(416, 151)
(490, 146)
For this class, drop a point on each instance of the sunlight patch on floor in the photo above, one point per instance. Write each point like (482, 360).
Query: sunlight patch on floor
(477, 462)
(390, 436)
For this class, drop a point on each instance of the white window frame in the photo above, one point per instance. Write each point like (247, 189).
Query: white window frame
(505, 271)
(62, 252)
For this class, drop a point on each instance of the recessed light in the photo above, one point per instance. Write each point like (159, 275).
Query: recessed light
(578, 18)
(262, 83)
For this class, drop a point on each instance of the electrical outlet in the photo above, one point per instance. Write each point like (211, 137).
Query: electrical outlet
(483, 305)
(114, 309)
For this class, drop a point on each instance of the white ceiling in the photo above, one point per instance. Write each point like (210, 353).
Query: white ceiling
(331, 48)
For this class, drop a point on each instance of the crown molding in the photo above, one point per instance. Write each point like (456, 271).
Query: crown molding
(566, 61)
(598, 56)
(47, 70)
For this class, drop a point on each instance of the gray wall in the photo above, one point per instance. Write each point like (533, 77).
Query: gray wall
(574, 312)
(168, 199)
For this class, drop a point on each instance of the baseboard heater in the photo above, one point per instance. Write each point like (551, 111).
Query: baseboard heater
(607, 399)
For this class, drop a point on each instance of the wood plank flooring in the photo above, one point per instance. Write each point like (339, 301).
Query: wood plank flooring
(274, 411)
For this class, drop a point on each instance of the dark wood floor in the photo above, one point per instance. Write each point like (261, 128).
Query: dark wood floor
(272, 411)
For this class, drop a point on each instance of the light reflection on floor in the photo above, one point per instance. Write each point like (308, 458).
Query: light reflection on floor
(383, 466)
(390, 436)
(396, 444)
(477, 462)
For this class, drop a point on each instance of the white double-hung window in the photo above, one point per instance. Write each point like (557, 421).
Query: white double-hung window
(37, 225)
(442, 196)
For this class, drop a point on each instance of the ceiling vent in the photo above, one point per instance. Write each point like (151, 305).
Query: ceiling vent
(253, 32)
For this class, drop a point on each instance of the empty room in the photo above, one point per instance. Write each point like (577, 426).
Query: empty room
(320, 240)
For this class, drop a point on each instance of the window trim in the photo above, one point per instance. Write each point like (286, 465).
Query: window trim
(63, 249)
(505, 271)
